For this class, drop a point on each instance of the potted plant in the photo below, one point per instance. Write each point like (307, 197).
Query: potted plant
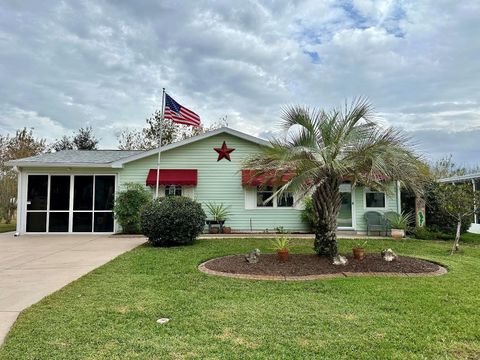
(398, 223)
(219, 213)
(359, 251)
(281, 245)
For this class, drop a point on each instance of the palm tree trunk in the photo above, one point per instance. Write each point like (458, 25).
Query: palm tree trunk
(326, 202)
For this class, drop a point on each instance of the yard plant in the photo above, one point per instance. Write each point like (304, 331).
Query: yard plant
(322, 149)
(174, 220)
(128, 205)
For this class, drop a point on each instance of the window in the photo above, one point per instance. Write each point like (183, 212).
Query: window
(374, 199)
(173, 190)
(285, 199)
(266, 192)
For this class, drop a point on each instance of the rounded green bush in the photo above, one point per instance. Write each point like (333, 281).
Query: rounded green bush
(174, 220)
(128, 205)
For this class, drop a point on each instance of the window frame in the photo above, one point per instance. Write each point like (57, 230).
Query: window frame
(368, 190)
(176, 187)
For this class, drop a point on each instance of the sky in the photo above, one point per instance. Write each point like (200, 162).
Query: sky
(68, 64)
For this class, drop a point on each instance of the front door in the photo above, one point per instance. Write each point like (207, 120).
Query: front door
(345, 216)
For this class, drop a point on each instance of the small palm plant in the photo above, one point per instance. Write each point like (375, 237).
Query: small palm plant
(323, 149)
(281, 245)
(399, 220)
(219, 212)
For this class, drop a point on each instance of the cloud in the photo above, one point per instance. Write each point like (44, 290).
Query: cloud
(104, 63)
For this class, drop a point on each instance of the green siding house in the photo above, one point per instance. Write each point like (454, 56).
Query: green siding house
(73, 191)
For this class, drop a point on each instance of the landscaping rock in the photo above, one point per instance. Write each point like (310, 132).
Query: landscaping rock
(162, 321)
(389, 255)
(340, 260)
(253, 256)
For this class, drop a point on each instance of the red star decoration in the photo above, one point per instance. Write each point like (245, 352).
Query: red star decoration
(224, 152)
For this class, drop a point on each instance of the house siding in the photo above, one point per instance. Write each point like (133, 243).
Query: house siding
(360, 207)
(219, 182)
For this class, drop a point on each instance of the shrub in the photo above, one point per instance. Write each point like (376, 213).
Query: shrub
(423, 233)
(174, 220)
(436, 219)
(128, 205)
(308, 215)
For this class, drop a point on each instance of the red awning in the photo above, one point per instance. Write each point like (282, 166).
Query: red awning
(173, 177)
(249, 177)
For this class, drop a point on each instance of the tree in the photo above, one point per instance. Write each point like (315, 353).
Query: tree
(83, 139)
(148, 138)
(64, 143)
(23, 144)
(459, 202)
(322, 149)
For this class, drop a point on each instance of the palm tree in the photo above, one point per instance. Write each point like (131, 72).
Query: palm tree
(322, 149)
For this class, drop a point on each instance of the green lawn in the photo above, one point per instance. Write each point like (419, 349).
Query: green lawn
(111, 312)
(7, 227)
(470, 238)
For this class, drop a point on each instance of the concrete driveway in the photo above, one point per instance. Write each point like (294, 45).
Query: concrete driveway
(33, 266)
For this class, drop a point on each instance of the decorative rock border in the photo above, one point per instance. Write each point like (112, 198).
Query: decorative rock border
(202, 267)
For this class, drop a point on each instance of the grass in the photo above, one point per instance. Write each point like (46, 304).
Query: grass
(7, 227)
(470, 238)
(111, 313)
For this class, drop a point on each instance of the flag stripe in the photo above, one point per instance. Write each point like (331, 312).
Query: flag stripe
(180, 114)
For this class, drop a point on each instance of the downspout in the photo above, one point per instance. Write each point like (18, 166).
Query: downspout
(20, 214)
(399, 198)
(475, 215)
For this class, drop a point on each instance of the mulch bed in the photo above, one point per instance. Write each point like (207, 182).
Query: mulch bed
(310, 264)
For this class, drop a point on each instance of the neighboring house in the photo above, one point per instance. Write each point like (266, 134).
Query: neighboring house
(474, 180)
(73, 191)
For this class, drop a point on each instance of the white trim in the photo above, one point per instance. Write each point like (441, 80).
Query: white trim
(236, 133)
(365, 190)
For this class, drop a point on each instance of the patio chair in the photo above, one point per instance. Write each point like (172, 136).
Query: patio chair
(375, 222)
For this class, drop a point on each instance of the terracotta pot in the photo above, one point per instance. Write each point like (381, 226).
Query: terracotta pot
(227, 230)
(358, 253)
(398, 233)
(282, 255)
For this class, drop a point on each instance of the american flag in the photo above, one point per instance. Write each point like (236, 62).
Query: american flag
(179, 114)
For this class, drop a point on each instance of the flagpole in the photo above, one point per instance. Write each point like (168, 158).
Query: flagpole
(160, 144)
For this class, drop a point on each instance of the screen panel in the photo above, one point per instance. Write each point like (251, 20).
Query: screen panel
(59, 192)
(36, 221)
(83, 193)
(104, 192)
(58, 222)
(82, 222)
(37, 191)
(103, 222)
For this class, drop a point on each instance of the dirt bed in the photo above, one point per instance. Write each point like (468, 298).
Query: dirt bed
(310, 264)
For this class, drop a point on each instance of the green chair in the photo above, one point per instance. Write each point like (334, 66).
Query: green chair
(375, 222)
(389, 215)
